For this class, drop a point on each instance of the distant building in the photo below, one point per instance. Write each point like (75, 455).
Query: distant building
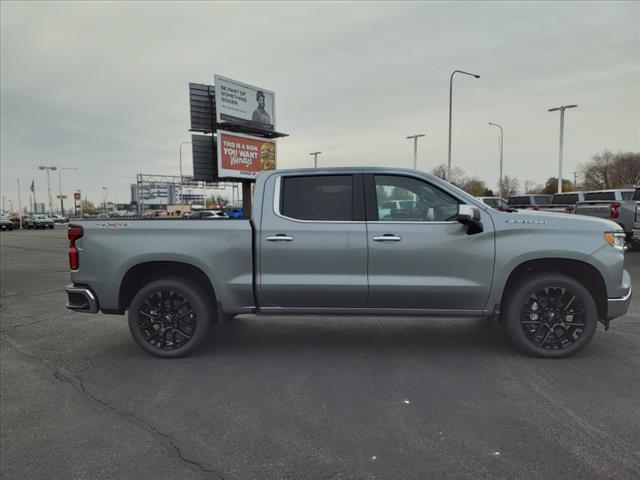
(157, 195)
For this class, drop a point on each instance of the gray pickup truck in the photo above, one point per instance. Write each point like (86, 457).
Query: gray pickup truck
(616, 205)
(317, 244)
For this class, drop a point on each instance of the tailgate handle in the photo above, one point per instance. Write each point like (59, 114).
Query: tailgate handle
(387, 237)
(281, 237)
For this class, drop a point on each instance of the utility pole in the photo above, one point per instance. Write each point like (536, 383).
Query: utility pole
(501, 145)
(315, 158)
(561, 108)
(415, 148)
(181, 181)
(19, 205)
(48, 169)
(450, 109)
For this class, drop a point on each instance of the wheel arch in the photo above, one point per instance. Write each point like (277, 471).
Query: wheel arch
(583, 272)
(143, 273)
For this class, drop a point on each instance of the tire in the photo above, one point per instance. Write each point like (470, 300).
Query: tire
(157, 320)
(536, 318)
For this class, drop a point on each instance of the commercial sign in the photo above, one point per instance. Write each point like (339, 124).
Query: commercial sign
(244, 156)
(61, 197)
(76, 195)
(244, 104)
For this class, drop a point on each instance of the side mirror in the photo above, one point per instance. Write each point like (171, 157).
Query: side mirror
(470, 216)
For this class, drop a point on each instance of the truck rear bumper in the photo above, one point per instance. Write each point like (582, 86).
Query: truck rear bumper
(81, 299)
(617, 307)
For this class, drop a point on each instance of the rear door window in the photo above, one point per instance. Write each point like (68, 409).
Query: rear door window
(541, 200)
(317, 197)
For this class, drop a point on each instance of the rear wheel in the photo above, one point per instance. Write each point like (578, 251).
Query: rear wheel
(169, 317)
(550, 315)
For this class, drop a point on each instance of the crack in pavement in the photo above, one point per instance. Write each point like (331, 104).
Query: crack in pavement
(64, 375)
(34, 322)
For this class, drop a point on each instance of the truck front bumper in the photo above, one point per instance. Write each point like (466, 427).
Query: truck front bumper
(617, 307)
(80, 298)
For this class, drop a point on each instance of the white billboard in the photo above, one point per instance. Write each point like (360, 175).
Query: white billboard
(244, 104)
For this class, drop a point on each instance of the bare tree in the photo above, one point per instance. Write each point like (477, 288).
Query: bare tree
(457, 174)
(598, 171)
(510, 186)
(625, 170)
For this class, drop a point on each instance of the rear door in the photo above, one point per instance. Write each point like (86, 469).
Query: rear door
(313, 244)
(423, 258)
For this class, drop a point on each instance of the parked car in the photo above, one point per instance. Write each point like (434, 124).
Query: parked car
(207, 215)
(636, 223)
(235, 213)
(496, 202)
(6, 224)
(37, 221)
(532, 202)
(60, 221)
(615, 204)
(317, 245)
(396, 208)
(564, 202)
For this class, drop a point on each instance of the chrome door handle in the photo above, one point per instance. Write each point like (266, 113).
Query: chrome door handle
(279, 238)
(387, 237)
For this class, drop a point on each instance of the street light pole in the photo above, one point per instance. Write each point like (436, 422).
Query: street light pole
(562, 108)
(315, 158)
(60, 187)
(48, 169)
(105, 199)
(450, 110)
(415, 148)
(181, 193)
(501, 145)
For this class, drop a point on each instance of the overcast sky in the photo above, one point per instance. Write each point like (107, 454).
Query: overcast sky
(103, 87)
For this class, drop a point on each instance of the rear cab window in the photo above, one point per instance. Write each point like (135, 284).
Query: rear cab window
(565, 199)
(522, 200)
(600, 196)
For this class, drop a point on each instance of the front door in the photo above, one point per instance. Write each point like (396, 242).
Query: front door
(420, 256)
(313, 243)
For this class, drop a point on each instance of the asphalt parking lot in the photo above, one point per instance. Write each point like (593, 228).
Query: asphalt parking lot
(301, 398)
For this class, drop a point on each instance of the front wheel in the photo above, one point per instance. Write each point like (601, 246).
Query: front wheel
(550, 315)
(169, 317)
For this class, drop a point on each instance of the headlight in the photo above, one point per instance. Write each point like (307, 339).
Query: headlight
(615, 239)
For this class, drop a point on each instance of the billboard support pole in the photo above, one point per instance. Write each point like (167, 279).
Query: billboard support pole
(246, 198)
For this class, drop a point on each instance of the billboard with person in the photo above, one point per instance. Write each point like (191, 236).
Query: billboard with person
(244, 104)
(244, 156)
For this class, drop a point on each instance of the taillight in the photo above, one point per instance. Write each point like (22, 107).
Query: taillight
(536, 208)
(615, 210)
(74, 233)
(569, 209)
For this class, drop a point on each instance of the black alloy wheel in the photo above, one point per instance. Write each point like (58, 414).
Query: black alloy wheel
(551, 316)
(169, 317)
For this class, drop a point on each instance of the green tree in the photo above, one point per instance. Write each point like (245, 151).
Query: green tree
(551, 186)
(474, 186)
